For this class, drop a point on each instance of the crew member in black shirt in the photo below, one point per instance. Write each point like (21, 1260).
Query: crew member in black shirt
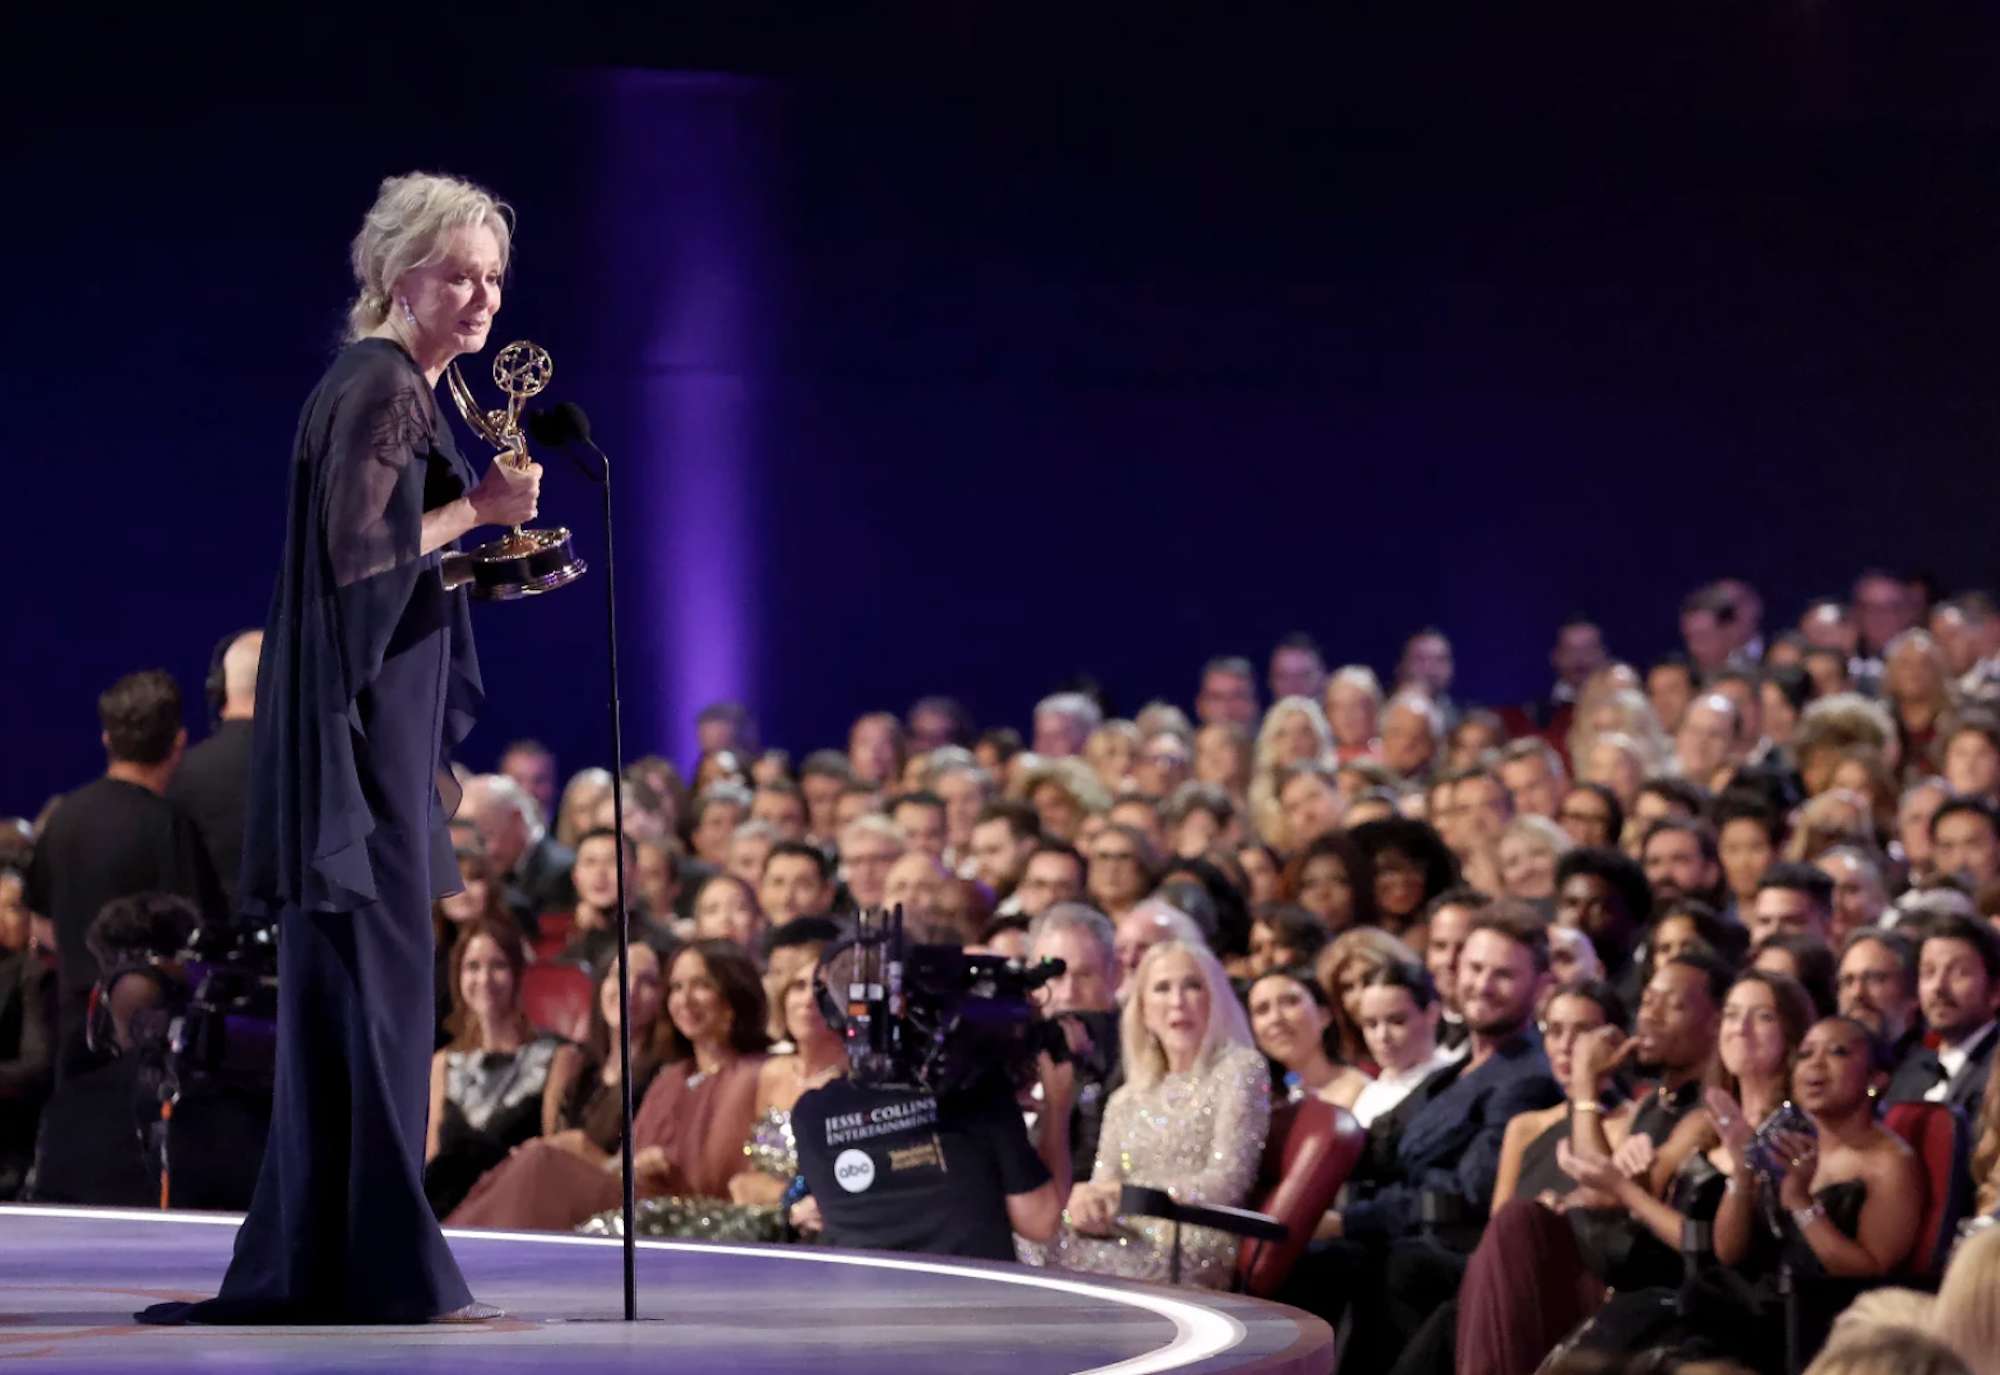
(118, 836)
(211, 782)
(895, 1170)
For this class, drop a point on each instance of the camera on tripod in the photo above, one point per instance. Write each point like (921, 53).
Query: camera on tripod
(931, 1017)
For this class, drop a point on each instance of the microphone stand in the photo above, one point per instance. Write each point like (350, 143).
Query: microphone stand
(602, 477)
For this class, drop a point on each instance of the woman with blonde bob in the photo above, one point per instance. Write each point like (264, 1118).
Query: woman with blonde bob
(1190, 1118)
(368, 680)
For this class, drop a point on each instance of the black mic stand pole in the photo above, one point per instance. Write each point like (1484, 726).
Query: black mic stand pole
(603, 480)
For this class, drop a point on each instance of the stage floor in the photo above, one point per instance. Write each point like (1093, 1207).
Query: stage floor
(70, 1278)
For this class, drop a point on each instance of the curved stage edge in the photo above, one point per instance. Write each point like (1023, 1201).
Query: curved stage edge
(70, 1279)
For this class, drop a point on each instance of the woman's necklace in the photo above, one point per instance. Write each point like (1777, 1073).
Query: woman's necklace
(818, 1076)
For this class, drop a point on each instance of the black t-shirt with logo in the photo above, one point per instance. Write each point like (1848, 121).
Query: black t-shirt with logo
(894, 1170)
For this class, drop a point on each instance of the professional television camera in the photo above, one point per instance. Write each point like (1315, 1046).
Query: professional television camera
(931, 1017)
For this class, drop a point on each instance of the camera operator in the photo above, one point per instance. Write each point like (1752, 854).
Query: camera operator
(98, 1141)
(1084, 1000)
(892, 1169)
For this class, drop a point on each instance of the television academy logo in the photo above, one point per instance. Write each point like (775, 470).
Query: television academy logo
(855, 1170)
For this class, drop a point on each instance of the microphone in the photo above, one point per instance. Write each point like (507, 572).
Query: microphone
(560, 426)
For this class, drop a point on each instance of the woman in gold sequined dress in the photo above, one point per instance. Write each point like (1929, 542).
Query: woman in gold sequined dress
(1191, 1119)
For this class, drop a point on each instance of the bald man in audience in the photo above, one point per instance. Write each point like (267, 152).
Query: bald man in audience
(214, 775)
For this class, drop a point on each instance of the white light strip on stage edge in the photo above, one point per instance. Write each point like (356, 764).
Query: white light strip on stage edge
(1198, 1332)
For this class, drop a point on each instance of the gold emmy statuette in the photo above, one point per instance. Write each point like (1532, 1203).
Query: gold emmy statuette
(521, 563)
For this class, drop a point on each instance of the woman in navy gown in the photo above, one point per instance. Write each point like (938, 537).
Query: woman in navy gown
(368, 679)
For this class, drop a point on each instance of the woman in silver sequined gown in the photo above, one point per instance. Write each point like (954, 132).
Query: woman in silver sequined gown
(1191, 1119)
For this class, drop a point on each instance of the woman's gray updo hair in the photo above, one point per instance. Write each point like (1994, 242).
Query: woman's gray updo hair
(406, 228)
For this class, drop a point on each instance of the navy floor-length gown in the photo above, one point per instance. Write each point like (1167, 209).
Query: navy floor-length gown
(368, 679)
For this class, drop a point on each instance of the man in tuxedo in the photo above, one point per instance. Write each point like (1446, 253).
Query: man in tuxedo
(1958, 987)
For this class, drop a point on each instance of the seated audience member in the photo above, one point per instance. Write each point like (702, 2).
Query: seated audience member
(1748, 837)
(777, 802)
(1084, 997)
(578, 803)
(749, 846)
(1447, 922)
(1343, 968)
(491, 1087)
(1966, 1316)
(1448, 1147)
(1535, 778)
(1805, 958)
(1333, 879)
(688, 1133)
(1591, 815)
(1889, 1350)
(1965, 842)
(1153, 922)
(1283, 936)
(788, 949)
(1791, 897)
(1292, 1020)
(1604, 894)
(534, 867)
(1412, 866)
(1006, 936)
(1540, 1271)
(1191, 1119)
(480, 897)
(1529, 1170)
(589, 1119)
(1122, 870)
(1397, 1011)
(1198, 818)
(594, 879)
(1529, 851)
(869, 846)
(726, 909)
(1844, 1205)
(1528, 1166)
(719, 809)
(772, 1159)
(1681, 861)
(1004, 835)
(1958, 990)
(1572, 959)
(796, 883)
(1876, 985)
(1860, 895)
(27, 1050)
(1262, 873)
(920, 816)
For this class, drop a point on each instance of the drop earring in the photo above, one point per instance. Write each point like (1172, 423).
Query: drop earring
(408, 314)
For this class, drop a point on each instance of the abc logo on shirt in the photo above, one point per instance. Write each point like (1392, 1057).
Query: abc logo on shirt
(855, 1170)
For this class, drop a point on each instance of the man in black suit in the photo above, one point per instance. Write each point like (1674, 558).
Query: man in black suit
(1450, 1146)
(1958, 986)
(534, 865)
(215, 775)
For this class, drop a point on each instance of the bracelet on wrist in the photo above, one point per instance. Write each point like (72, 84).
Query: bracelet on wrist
(1585, 1105)
(1803, 1218)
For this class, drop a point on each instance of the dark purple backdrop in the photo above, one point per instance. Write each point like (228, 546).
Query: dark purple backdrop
(984, 366)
